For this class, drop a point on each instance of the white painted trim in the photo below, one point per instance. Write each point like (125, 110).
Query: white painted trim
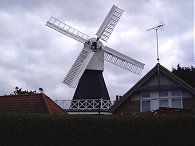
(154, 96)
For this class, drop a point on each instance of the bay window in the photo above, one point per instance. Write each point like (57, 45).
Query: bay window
(152, 100)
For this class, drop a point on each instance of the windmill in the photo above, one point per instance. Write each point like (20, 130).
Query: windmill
(86, 72)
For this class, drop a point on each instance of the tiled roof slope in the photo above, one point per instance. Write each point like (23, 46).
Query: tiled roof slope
(29, 103)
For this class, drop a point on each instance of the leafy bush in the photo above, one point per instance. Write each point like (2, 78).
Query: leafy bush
(51, 130)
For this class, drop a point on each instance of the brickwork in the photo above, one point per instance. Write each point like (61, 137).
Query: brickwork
(128, 107)
(189, 103)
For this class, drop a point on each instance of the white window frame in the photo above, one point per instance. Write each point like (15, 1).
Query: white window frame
(165, 91)
(141, 105)
(145, 96)
(154, 95)
(176, 95)
(181, 102)
(159, 101)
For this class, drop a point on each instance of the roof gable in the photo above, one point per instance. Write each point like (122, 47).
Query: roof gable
(158, 74)
(154, 80)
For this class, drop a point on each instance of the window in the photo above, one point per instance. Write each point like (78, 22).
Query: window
(145, 105)
(152, 100)
(163, 93)
(176, 93)
(145, 94)
(176, 103)
(163, 103)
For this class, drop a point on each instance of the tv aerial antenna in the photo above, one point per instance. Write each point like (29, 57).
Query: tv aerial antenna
(156, 28)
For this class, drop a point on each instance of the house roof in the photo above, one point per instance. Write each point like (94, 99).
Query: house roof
(157, 68)
(29, 103)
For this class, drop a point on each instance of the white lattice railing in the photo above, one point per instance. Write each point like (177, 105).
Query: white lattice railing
(85, 104)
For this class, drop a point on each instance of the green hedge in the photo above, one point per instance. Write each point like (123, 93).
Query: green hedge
(138, 130)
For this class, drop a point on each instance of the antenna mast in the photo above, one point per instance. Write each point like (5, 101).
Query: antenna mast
(156, 28)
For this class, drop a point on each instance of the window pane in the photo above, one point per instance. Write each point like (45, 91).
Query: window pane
(176, 103)
(163, 93)
(145, 105)
(163, 103)
(176, 93)
(145, 94)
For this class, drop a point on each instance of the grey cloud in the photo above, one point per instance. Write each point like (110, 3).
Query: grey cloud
(33, 55)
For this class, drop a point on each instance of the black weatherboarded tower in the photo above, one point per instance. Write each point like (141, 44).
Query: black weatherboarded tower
(90, 85)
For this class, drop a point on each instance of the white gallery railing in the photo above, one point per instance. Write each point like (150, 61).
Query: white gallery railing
(85, 104)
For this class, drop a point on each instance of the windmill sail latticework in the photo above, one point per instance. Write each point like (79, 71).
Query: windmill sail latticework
(109, 23)
(122, 60)
(78, 67)
(67, 30)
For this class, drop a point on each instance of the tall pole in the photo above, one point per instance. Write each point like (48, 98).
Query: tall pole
(156, 28)
(157, 45)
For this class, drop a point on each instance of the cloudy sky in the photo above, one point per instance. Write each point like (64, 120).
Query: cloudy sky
(32, 55)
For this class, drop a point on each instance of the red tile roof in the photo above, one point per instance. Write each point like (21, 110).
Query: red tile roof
(29, 103)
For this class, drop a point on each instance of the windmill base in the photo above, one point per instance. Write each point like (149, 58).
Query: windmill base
(91, 86)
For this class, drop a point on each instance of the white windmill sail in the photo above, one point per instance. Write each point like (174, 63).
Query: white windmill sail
(122, 60)
(109, 23)
(79, 66)
(67, 30)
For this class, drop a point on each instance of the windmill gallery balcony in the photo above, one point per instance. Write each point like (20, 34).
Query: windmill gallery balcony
(85, 105)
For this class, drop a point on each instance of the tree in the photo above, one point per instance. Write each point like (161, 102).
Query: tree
(19, 91)
(187, 74)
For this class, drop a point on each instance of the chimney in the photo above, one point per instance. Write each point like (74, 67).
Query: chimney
(118, 97)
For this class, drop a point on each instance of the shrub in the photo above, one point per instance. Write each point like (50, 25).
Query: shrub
(51, 130)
